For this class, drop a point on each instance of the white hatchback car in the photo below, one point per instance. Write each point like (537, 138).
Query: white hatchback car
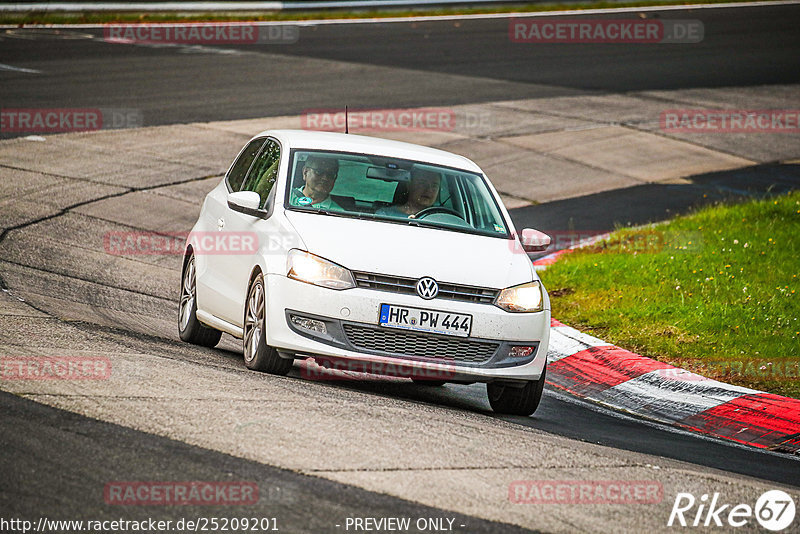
(375, 254)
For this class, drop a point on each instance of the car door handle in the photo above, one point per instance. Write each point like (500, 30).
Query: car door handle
(220, 223)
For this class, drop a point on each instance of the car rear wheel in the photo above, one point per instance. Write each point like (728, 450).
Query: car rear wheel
(259, 356)
(515, 400)
(189, 328)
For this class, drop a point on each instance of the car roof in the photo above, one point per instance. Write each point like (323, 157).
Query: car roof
(340, 142)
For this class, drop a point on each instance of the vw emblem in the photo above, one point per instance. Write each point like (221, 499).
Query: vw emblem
(427, 288)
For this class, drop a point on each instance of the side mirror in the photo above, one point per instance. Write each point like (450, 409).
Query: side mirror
(534, 240)
(245, 202)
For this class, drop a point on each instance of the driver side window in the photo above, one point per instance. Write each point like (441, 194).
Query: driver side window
(264, 171)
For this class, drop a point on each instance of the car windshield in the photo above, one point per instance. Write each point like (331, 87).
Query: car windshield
(392, 190)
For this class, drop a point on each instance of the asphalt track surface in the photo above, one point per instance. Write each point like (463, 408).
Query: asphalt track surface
(99, 452)
(386, 65)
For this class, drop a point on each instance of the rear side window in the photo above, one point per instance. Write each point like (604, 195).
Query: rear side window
(264, 171)
(239, 169)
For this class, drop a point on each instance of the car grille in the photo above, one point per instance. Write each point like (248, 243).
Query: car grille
(408, 286)
(411, 344)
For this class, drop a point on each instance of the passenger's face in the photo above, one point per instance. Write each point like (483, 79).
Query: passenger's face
(423, 190)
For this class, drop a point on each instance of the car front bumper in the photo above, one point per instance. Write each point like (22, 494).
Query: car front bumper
(352, 334)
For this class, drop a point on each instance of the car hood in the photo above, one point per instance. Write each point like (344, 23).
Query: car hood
(412, 251)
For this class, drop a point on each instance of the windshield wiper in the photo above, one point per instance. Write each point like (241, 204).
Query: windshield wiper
(458, 229)
(420, 222)
(348, 214)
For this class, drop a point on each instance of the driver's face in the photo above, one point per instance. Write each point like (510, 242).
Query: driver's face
(319, 180)
(424, 189)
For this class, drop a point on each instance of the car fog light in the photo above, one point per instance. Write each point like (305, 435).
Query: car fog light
(521, 352)
(309, 324)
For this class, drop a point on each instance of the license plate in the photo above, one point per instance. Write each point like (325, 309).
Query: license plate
(421, 320)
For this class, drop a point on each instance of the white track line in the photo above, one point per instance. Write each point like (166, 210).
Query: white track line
(19, 69)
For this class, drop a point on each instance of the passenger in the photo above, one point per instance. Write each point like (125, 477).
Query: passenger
(319, 176)
(423, 190)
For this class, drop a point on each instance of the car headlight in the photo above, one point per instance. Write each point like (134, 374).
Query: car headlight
(522, 298)
(306, 267)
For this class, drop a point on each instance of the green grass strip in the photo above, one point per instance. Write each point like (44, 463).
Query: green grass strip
(715, 292)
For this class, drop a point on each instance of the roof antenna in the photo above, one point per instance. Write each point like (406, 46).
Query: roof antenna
(346, 122)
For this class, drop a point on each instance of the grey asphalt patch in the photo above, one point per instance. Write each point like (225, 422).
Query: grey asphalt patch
(631, 153)
(497, 119)
(70, 485)
(27, 196)
(74, 232)
(146, 210)
(191, 193)
(610, 108)
(68, 156)
(525, 176)
(73, 299)
(642, 111)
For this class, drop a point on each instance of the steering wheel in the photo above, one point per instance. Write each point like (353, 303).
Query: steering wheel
(437, 209)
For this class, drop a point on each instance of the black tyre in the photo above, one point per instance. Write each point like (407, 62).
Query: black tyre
(515, 400)
(259, 356)
(189, 328)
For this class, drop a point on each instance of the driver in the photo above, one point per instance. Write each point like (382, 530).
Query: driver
(319, 176)
(423, 190)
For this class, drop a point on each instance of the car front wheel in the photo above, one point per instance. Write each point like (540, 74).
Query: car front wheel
(257, 354)
(515, 400)
(189, 328)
